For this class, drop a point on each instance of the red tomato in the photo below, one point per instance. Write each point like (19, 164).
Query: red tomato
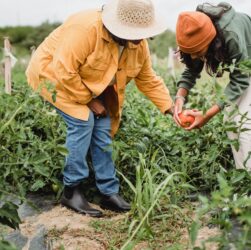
(186, 120)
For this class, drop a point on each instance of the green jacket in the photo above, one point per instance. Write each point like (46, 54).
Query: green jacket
(236, 28)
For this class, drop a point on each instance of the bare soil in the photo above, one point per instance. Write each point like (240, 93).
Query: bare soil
(69, 230)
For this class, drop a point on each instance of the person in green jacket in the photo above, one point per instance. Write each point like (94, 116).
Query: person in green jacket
(214, 36)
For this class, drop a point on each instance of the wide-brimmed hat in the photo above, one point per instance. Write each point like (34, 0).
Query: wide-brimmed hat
(132, 19)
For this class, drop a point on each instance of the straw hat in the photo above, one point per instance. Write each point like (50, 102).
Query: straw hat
(132, 19)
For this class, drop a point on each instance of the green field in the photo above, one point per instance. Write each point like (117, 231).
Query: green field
(176, 180)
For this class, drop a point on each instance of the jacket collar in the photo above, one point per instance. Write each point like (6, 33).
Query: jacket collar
(104, 34)
(132, 46)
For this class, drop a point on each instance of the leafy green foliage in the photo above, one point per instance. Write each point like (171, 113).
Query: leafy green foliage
(200, 154)
(229, 210)
(5, 245)
(161, 43)
(32, 151)
(161, 163)
(27, 36)
(152, 141)
(153, 192)
(9, 215)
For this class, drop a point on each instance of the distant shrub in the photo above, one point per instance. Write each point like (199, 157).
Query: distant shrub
(160, 44)
(27, 36)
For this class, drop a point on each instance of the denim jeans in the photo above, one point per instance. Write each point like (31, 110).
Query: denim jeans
(93, 135)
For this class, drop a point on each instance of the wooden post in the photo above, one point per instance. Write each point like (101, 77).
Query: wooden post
(7, 65)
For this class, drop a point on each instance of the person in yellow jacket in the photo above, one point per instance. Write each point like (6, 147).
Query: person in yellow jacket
(82, 69)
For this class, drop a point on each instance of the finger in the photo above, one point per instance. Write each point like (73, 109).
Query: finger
(176, 121)
(177, 111)
(176, 118)
(179, 107)
(191, 112)
(192, 126)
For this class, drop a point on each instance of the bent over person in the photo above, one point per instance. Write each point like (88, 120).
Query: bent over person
(88, 60)
(215, 36)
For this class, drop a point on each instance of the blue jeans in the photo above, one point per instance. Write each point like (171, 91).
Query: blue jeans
(93, 134)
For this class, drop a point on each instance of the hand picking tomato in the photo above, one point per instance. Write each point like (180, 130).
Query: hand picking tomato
(186, 120)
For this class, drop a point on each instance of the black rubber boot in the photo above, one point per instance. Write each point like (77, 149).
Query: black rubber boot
(73, 198)
(115, 203)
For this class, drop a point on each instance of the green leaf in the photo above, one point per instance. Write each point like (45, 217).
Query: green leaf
(129, 246)
(9, 215)
(193, 232)
(37, 185)
(187, 186)
(5, 245)
(128, 182)
(42, 170)
(203, 199)
(39, 158)
(246, 217)
(238, 177)
(62, 150)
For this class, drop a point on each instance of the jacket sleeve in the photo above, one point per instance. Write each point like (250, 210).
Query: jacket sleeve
(239, 81)
(72, 52)
(190, 75)
(153, 86)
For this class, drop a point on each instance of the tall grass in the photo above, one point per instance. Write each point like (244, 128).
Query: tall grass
(153, 191)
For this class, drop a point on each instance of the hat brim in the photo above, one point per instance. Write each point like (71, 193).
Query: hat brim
(132, 32)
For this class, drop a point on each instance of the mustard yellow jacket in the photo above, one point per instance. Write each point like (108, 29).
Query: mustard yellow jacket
(79, 59)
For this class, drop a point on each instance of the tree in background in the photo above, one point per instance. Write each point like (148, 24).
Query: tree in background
(25, 37)
(159, 45)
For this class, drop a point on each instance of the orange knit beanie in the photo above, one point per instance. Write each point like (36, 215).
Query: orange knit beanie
(194, 31)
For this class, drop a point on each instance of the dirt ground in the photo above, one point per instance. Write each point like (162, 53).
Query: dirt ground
(65, 228)
(72, 231)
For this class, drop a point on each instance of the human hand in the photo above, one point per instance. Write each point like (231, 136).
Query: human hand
(186, 120)
(97, 107)
(179, 102)
(200, 119)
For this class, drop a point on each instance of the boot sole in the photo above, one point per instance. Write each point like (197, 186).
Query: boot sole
(82, 212)
(117, 210)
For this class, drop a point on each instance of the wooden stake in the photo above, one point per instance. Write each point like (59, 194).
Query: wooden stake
(7, 66)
